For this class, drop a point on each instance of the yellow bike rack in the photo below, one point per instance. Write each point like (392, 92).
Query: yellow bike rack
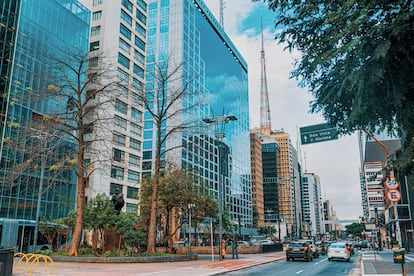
(30, 259)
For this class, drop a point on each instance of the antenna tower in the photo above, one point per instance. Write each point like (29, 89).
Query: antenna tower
(265, 124)
(222, 13)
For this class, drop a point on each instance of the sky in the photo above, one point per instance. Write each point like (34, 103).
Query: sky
(335, 162)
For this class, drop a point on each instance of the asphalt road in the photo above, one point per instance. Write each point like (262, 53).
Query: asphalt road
(320, 267)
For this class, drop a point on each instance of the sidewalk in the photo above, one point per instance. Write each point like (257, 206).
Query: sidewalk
(382, 263)
(202, 267)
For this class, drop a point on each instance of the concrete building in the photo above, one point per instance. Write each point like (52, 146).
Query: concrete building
(312, 205)
(33, 34)
(258, 200)
(118, 33)
(218, 145)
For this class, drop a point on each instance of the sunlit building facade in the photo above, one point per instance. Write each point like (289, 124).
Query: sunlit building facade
(28, 41)
(186, 32)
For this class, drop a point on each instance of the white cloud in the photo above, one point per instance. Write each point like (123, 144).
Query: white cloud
(336, 162)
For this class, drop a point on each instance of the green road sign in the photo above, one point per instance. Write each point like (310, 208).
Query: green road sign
(317, 133)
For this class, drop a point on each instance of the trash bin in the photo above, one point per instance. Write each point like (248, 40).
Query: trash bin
(399, 255)
(6, 261)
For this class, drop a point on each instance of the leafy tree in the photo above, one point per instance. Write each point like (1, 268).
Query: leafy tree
(177, 189)
(357, 60)
(99, 214)
(128, 225)
(355, 229)
(163, 102)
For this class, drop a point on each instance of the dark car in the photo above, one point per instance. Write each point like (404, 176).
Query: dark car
(362, 244)
(299, 250)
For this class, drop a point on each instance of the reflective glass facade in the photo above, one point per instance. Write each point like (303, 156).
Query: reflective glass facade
(217, 74)
(35, 31)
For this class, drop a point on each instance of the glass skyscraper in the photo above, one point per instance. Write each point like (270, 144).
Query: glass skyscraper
(216, 74)
(31, 33)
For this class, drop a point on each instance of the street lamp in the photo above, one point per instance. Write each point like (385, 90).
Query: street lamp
(219, 127)
(190, 205)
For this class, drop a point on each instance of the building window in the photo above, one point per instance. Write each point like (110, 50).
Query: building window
(93, 62)
(134, 144)
(113, 187)
(117, 172)
(139, 86)
(138, 71)
(123, 60)
(133, 176)
(141, 17)
(136, 114)
(138, 57)
(93, 46)
(120, 122)
(139, 43)
(124, 45)
(119, 139)
(97, 2)
(96, 15)
(133, 160)
(136, 129)
(131, 208)
(122, 75)
(127, 4)
(126, 17)
(125, 31)
(95, 30)
(118, 155)
(121, 107)
(132, 192)
(142, 4)
(141, 30)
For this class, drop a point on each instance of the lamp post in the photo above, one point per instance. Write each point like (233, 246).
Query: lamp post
(190, 205)
(219, 127)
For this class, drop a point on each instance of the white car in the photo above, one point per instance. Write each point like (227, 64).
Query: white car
(245, 243)
(38, 248)
(261, 242)
(338, 251)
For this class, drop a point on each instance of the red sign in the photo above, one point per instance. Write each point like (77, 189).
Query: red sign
(393, 195)
(391, 183)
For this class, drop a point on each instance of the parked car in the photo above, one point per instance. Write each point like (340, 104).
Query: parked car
(338, 251)
(261, 242)
(299, 250)
(38, 247)
(313, 247)
(244, 243)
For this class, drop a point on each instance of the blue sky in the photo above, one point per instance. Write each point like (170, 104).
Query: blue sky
(336, 162)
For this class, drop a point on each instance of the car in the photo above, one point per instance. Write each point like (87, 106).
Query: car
(313, 247)
(362, 244)
(299, 250)
(244, 243)
(38, 247)
(338, 251)
(321, 247)
(262, 242)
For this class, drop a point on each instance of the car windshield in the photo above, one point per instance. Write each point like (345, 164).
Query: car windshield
(337, 245)
(297, 245)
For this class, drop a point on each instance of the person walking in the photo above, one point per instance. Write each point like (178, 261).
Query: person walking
(235, 248)
(223, 249)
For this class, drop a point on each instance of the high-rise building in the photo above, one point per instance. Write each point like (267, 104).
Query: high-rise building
(32, 33)
(312, 205)
(186, 32)
(289, 179)
(258, 200)
(119, 30)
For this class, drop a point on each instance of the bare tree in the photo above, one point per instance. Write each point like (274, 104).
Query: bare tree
(165, 103)
(88, 85)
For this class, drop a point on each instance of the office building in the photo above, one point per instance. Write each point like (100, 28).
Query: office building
(186, 32)
(312, 205)
(119, 31)
(32, 33)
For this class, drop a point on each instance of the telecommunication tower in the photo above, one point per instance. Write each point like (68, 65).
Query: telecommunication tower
(265, 124)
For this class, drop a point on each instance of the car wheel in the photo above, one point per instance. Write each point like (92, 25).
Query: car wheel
(287, 259)
(348, 259)
(329, 259)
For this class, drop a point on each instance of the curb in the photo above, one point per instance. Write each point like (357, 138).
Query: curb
(247, 266)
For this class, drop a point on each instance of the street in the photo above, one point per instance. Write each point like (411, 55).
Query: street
(320, 266)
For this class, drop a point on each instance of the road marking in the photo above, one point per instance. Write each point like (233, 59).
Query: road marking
(299, 272)
(324, 260)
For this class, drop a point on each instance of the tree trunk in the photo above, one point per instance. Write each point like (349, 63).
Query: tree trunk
(94, 240)
(80, 202)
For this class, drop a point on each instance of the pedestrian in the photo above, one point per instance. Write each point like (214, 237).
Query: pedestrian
(235, 248)
(223, 249)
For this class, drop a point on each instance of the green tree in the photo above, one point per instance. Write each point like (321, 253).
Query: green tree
(357, 59)
(129, 227)
(355, 229)
(99, 214)
(177, 189)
